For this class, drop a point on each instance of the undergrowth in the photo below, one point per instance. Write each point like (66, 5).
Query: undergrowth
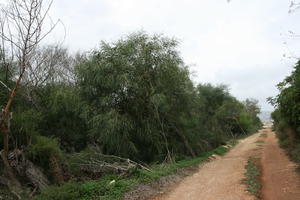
(5, 194)
(105, 190)
(289, 141)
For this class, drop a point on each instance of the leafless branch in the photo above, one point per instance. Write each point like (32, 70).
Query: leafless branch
(4, 85)
(22, 28)
(295, 5)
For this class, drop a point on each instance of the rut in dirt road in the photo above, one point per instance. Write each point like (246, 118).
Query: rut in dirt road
(280, 180)
(221, 179)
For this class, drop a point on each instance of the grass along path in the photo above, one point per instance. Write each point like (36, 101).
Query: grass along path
(114, 187)
(253, 177)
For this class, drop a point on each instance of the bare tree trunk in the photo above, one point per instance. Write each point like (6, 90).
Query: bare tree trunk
(186, 143)
(169, 156)
(4, 123)
(5, 139)
(21, 23)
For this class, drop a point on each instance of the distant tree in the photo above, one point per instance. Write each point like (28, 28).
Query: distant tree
(211, 98)
(228, 117)
(251, 106)
(50, 64)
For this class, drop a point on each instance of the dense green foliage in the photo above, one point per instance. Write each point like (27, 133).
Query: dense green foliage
(136, 92)
(287, 115)
(140, 103)
(133, 98)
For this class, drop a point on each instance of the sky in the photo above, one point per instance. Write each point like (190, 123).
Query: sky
(250, 45)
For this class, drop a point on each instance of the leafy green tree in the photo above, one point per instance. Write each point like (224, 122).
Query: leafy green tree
(250, 117)
(211, 99)
(137, 93)
(287, 114)
(251, 106)
(287, 101)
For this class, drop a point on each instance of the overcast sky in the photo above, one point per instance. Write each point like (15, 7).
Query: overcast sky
(241, 43)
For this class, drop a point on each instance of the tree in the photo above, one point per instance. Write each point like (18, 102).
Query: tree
(211, 97)
(136, 91)
(287, 113)
(251, 106)
(21, 31)
(287, 101)
(51, 64)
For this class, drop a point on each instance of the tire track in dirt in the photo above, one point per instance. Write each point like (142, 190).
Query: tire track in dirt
(280, 180)
(221, 179)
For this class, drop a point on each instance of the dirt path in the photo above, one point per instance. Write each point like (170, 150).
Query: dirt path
(221, 179)
(280, 181)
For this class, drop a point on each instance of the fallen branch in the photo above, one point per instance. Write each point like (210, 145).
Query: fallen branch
(11, 181)
(98, 164)
(16, 164)
(4, 85)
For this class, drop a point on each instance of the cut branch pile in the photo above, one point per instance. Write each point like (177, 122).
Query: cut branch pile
(16, 163)
(98, 164)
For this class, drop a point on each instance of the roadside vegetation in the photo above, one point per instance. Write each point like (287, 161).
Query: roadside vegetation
(71, 123)
(287, 114)
(252, 177)
(263, 135)
(114, 186)
(260, 142)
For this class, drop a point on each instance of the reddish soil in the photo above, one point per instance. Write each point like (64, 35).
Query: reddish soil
(280, 180)
(221, 178)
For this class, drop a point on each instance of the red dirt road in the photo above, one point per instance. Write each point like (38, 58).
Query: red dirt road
(220, 179)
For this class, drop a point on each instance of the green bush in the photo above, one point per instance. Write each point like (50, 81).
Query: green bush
(220, 150)
(68, 191)
(61, 116)
(295, 153)
(41, 150)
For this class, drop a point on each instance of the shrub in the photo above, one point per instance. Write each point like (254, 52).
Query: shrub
(42, 149)
(295, 153)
